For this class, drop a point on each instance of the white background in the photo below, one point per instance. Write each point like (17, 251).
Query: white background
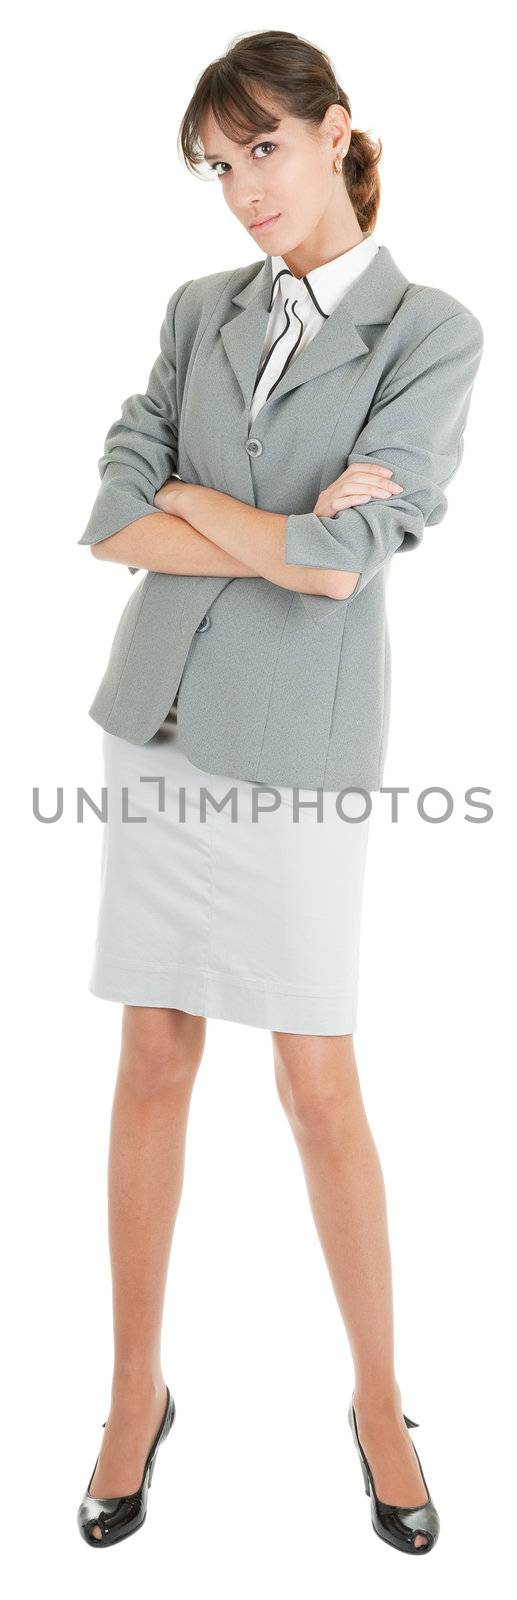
(258, 1491)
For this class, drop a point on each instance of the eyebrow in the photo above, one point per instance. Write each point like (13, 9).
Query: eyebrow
(246, 146)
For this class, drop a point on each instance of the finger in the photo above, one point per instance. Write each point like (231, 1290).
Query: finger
(368, 471)
(341, 502)
(376, 485)
(371, 470)
(376, 489)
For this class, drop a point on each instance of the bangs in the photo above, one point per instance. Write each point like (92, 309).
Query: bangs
(229, 95)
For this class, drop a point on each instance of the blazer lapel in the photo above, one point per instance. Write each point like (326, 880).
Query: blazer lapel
(373, 297)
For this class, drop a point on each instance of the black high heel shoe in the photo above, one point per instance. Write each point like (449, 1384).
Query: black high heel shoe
(122, 1514)
(398, 1525)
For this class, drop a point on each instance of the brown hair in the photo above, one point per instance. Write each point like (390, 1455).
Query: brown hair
(302, 82)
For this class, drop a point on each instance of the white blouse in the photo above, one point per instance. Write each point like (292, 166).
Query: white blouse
(298, 308)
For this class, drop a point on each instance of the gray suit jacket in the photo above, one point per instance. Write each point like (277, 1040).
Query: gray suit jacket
(273, 685)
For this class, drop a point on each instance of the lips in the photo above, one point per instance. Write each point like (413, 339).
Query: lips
(265, 221)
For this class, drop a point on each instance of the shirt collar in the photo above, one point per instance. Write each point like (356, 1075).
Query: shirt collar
(325, 285)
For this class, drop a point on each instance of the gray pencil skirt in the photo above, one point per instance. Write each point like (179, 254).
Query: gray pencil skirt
(219, 897)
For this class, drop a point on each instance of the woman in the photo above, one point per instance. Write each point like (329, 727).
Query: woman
(256, 651)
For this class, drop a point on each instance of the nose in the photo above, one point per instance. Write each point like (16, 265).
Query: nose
(245, 200)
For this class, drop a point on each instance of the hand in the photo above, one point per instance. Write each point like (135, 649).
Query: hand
(362, 480)
(171, 497)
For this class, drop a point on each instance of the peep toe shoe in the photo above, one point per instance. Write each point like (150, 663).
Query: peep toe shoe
(398, 1525)
(122, 1514)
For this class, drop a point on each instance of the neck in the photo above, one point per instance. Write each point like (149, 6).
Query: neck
(337, 231)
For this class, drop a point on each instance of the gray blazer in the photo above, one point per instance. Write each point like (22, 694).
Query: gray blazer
(273, 685)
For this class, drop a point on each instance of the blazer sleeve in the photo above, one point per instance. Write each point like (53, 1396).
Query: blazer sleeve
(415, 426)
(141, 446)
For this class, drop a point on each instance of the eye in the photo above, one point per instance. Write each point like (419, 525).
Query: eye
(262, 146)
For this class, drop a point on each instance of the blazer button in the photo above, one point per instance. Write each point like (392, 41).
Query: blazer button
(205, 623)
(254, 447)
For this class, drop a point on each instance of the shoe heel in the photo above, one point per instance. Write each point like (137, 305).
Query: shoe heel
(165, 1432)
(364, 1471)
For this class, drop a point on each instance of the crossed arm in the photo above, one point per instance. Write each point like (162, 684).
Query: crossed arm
(207, 532)
(414, 429)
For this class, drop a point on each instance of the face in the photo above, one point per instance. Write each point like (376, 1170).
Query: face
(285, 174)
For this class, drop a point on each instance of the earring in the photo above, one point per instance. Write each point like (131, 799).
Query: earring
(338, 163)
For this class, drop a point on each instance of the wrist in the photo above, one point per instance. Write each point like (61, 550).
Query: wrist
(183, 499)
(172, 497)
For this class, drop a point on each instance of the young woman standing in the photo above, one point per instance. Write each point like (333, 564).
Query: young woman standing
(253, 662)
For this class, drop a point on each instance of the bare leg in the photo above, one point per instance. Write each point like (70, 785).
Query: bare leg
(319, 1089)
(160, 1053)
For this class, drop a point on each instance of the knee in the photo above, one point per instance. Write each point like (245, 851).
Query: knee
(318, 1086)
(160, 1050)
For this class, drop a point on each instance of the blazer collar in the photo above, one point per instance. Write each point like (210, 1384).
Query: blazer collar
(373, 297)
(324, 286)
